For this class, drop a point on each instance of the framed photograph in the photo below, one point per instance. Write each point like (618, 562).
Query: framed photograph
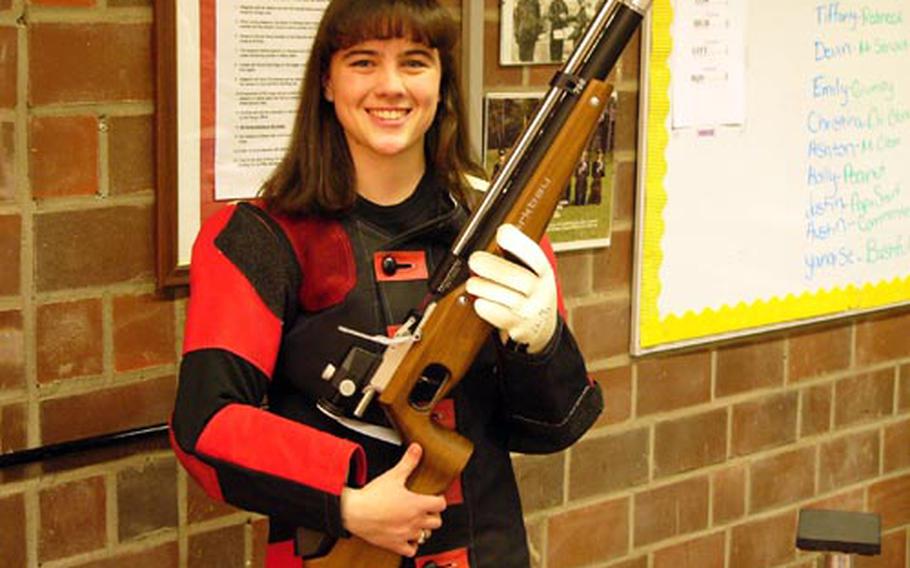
(542, 31)
(584, 216)
(228, 77)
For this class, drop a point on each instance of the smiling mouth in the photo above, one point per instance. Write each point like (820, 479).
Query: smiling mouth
(389, 114)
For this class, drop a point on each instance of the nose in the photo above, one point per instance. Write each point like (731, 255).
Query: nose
(391, 81)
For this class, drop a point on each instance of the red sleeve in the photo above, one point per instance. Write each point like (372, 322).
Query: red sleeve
(235, 449)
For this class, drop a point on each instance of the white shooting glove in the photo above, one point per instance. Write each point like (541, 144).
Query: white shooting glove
(518, 301)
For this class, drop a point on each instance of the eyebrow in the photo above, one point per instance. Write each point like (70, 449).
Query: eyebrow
(417, 51)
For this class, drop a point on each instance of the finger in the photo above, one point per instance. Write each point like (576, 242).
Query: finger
(497, 315)
(498, 269)
(488, 290)
(407, 549)
(511, 239)
(433, 522)
(408, 462)
(435, 504)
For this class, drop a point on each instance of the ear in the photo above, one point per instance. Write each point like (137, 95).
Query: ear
(327, 91)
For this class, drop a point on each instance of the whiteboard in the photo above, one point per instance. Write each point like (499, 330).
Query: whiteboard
(784, 198)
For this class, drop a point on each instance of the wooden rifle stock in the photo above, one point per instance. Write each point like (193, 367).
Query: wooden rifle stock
(453, 334)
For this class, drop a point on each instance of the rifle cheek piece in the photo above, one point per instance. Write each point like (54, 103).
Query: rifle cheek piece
(348, 380)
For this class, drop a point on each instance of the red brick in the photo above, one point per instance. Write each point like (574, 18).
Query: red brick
(627, 121)
(72, 519)
(882, 338)
(132, 154)
(613, 264)
(671, 382)
(69, 340)
(67, 63)
(609, 463)
(624, 191)
(748, 367)
(616, 385)
(640, 562)
(690, 442)
(819, 352)
(63, 239)
(729, 494)
(851, 500)
(200, 507)
(602, 329)
(10, 255)
(864, 397)
(816, 410)
(848, 459)
(763, 543)
(903, 394)
(8, 178)
(12, 351)
(897, 446)
(143, 332)
(64, 3)
(13, 428)
(110, 410)
(536, 532)
(541, 480)
(125, 3)
(165, 555)
(891, 499)
(764, 423)
(703, 552)
(894, 553)
(63, 156)
(261, 537)
(797, 467)
(592, 534)
(671, 510)
(221, 547)
(146, 499)
(12, 537)
(9, 60)
(574, 273)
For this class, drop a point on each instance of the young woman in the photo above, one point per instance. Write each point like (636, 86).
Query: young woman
(372, 190)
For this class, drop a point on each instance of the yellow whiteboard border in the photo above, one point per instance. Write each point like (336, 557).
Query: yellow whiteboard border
(655, 330)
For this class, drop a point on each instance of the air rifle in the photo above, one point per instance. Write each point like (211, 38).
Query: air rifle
(432, 350)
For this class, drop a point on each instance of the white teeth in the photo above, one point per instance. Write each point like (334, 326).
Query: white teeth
(388, 114)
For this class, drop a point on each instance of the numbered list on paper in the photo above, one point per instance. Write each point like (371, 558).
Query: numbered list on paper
(262, 49)
(857, 173)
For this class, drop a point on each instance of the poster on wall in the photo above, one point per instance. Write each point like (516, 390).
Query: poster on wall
(542, 31)
(229, 75)
(583, 218)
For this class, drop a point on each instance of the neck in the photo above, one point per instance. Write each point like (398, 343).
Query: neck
(387, 181)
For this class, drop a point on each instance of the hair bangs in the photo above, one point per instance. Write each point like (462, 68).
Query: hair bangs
(393, 19)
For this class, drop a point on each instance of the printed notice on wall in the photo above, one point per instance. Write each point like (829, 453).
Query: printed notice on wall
(262, 49)
(708, 63)
(803, 212)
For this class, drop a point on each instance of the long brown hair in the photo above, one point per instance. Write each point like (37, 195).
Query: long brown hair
(316, 175)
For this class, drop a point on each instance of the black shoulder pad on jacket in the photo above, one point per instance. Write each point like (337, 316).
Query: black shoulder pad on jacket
(257, 245)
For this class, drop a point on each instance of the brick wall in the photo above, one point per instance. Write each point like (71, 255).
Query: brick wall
(701, 458)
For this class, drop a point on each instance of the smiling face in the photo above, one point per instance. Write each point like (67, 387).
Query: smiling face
(385, 94)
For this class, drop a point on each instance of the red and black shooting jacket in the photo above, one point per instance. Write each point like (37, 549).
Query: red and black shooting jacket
(267, 294)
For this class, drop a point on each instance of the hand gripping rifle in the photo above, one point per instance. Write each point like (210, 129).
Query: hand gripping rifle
(432, 350)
